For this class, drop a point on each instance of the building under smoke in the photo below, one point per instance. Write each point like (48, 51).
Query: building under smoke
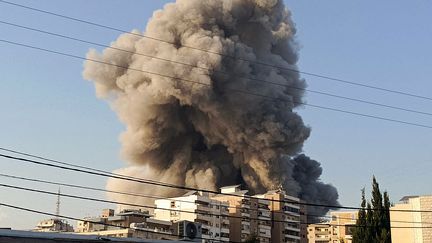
(211, 132)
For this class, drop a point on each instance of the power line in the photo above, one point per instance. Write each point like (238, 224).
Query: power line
(234, 90)
(345, 81)
(137, 205)
(78, 166)
(150, 183)
(99, 223)
(195, 189)
(171, 199)
(116, 192)
(218, 71)
(177, 210)
(128, 204)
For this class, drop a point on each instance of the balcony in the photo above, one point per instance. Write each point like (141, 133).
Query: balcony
(264, 227)
(205, 218)
(245, 203)
(322, 232)
(264, 213)
(293, 226)
(293, 234)
(245, 222)
(265, 234)
(204, 208)
(224, 230)
(290, 210)
(322, 237)
(246, 215)
(293, 204)
(225, 221)
(289, 238)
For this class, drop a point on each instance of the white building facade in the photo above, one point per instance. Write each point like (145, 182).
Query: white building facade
(197, 207)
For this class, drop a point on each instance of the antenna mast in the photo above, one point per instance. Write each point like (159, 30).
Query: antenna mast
(57, 213)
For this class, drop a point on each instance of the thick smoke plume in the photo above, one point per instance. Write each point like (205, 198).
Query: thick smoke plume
(208, 136)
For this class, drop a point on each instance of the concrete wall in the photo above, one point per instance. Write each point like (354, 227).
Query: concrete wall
(426, 205)
(416, 234)
(18, 236)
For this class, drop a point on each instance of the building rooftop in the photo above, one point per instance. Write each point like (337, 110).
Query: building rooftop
(190, 193)
(229, 187)
(128, 212)
(406, 198)
(15, 235)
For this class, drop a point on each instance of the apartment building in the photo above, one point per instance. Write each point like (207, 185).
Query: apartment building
(321, 233)
(53, 225)
(418, 230)
(108, 220)
(137, 224)
(197, 206)
(248, 216)
(288, 216)
(154, 229)
(343, 223)
(271, 217)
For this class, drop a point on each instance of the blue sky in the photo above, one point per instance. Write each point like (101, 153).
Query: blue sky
(48, 109)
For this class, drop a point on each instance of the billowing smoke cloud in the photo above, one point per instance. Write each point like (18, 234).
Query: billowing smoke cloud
(208, 136)
(306, 173)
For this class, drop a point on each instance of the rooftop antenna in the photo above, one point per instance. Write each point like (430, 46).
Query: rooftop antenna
(57, 213)
(280, 188)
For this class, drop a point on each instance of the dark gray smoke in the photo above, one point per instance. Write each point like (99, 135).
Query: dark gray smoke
(307, 172)
(208, 136)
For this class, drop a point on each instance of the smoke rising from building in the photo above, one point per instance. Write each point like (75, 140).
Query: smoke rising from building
(207, 136)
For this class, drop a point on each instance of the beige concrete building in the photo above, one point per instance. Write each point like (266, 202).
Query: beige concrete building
(53, 225)
(249, 216)
(321, 233)
(137, 224)
(337, 230)
(415, 234)
(153, 229)
(196, 206)
(343, 223)
(124, 219)
(264, 216)
(287, 215)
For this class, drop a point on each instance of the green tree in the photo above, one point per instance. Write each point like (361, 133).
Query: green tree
(387, 205)
(373, 224)
(369, 228)
(360, 231)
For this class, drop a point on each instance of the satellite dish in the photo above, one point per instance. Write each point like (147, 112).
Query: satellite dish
(191, 230)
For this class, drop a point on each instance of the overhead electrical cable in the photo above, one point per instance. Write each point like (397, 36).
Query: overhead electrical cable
(98, 223)
(199, 212)
(171, 199)
(290, 69)
(208, 84)
(191, 188)
(220, 71)
(78, 166)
